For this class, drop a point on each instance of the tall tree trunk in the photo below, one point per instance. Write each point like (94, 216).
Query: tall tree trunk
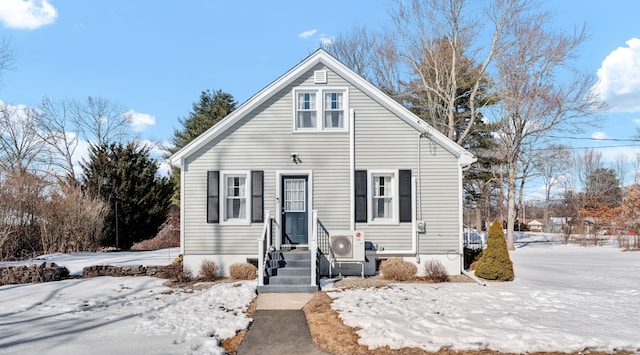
(511, 204)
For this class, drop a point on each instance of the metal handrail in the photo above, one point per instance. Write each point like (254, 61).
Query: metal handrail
(264, 244)
(313, 248)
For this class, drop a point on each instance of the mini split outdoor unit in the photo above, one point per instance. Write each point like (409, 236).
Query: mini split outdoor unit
(347, 245)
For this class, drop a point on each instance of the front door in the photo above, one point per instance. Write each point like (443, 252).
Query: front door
(295, 216)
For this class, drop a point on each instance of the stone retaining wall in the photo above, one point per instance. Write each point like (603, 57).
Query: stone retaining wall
(23, 274)
(49, 271)
(163, 272)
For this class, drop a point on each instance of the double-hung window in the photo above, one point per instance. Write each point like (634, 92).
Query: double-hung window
(320, 109)
(384, 198)
(306, 112)
(333, 110)
(235, 205)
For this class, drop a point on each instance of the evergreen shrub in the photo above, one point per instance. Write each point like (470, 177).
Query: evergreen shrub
(495, 263)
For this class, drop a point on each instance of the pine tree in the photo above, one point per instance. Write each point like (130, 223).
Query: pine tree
(495, 263)
(126, 177)
(209, 110)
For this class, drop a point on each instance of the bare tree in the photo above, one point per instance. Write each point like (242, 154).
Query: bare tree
(55, 128)
(100, 121)
(20, 145)
(550, 163)
(435, 38)
(533, 102)
(7, 56)
(636, 169)
(373, 56)
(586, 164)
(621, 167)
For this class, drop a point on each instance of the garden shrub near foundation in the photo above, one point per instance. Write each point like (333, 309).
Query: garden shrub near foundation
(495, 263)
(209, 270)
(398, 269)
(242, 271)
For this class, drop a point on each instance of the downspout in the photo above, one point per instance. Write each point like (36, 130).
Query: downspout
(352, 168)
(183, 170)
(418, 188)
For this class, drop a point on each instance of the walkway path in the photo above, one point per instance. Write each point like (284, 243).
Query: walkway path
(280, 326)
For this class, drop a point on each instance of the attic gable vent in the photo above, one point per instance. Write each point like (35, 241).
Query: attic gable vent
(320, 76)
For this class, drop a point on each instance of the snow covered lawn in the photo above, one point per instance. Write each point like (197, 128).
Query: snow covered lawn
(125, 315)
(564, 298)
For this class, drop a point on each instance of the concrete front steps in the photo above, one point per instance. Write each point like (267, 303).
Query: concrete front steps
(288, 272)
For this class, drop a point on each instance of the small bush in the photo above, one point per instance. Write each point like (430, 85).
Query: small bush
(398, 269)
(495, 263)
(209, 270)
(242, 271)
(435, 271)
(179, 273)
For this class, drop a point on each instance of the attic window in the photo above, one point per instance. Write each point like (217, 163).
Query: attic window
(324, 109)
(320, 76)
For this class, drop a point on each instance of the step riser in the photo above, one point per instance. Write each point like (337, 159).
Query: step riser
(296, 256)
(298, 271)
(286, 289)
(290, 280)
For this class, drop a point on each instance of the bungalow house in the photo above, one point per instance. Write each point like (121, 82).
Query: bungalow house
(320, 160)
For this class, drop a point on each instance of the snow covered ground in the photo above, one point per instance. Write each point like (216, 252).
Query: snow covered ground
(124, 315)
(564, 298)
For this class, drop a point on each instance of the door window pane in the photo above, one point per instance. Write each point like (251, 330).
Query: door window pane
(294, 195)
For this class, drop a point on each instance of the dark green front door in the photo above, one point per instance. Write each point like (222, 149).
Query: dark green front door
(295, 216)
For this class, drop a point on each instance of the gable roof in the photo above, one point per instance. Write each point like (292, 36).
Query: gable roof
(321, 56)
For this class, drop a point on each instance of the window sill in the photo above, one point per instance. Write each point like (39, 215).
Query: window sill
(384, 222)
(235, 222)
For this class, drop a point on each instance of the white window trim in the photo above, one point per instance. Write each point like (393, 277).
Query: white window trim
(320, 91)
(223, 197)
(395, 205)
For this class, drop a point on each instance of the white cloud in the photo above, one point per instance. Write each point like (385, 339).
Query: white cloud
(619, 78)
(326, 40)
(307, 34)
(26, 14)
(599, 135)
(139, 121)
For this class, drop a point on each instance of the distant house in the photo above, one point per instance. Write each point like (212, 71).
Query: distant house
(534, 225)
(320, 160)
(557, 224)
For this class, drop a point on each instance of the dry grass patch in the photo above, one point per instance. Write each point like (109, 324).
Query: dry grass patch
(232, 345)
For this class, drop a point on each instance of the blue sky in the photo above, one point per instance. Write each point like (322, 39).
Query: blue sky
(155, 57)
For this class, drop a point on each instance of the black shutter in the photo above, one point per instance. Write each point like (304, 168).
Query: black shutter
(213, 196)
(257, 196)
(404, 183)
(360, 195)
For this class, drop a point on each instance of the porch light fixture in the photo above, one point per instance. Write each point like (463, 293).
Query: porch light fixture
(295, 158)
